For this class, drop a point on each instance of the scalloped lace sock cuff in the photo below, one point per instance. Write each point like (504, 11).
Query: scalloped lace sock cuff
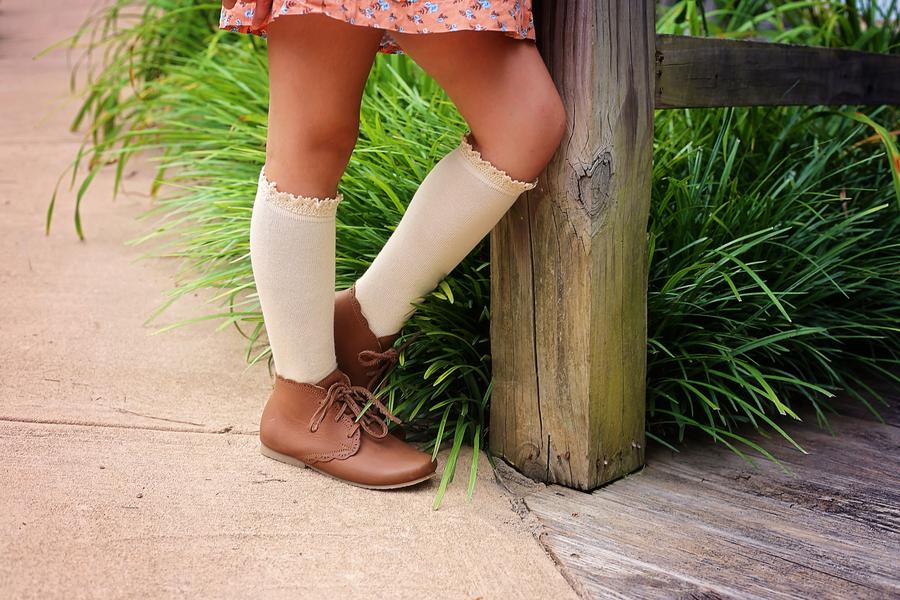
(457, 204)
(292, 249)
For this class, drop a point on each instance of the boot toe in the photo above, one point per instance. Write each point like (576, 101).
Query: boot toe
(403, 464)
(385, 463)
(410, 473)
(422, 466)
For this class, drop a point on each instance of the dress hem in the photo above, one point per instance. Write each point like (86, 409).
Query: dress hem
(388, 45)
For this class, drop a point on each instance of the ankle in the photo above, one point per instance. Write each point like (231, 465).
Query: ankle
(370, 298)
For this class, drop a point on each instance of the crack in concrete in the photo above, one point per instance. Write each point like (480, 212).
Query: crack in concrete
(228, 429)
(131, 412)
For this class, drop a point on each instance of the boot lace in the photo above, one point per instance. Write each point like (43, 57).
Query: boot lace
(369, 413)
(381, 363)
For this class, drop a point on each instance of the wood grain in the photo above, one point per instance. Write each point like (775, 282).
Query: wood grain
(569, 261)
(707, 72)
(703, 523)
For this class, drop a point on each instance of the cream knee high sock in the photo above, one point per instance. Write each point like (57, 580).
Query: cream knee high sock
(457, 204)
(292, 253)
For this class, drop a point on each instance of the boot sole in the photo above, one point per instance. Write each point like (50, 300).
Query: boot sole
(290, 460)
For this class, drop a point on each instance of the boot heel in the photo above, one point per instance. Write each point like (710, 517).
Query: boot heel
(289, 460)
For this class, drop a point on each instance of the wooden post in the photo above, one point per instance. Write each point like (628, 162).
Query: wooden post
(569, 262)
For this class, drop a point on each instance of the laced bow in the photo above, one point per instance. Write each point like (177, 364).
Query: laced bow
(353, 399)
(381, 363)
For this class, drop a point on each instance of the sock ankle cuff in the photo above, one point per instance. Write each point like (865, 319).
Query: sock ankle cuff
(306, 206)
(489, 173)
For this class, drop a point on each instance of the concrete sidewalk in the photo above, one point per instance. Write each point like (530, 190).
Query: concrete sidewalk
(128, 462)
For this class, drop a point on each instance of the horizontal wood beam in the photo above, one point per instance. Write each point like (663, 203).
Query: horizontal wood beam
(695, 72)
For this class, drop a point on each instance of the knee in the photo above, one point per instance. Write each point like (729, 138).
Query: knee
(531, 132)
(310, 158)
(542, 128)
(329, 142)
(549, 121)
(540, 124)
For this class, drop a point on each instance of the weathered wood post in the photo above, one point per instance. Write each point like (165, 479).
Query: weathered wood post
(569, 262)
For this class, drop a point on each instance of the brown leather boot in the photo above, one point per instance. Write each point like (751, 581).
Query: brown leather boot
(364, 357)
(316, 426)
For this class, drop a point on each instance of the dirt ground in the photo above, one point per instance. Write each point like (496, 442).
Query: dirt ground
(129, 464)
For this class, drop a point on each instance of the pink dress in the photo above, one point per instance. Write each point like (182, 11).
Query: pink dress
(513, 17)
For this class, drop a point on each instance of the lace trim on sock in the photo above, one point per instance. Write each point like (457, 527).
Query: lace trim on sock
(493, 175)
(300, 205)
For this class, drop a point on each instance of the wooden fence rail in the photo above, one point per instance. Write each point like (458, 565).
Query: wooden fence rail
(569, 261)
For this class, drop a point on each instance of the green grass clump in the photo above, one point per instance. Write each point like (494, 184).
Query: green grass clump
(774, 253)
(773, 275)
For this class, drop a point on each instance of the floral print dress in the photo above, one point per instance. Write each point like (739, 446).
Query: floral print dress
(512, 17)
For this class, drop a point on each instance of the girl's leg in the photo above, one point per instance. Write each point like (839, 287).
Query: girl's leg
(516, 117)
(318, 68)
(317, 71)
(502, 88)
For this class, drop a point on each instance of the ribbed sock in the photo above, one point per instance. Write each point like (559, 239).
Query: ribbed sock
(292, 246)
(456, 205)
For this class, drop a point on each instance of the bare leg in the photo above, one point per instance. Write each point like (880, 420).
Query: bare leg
(318, 68)
(502, 88)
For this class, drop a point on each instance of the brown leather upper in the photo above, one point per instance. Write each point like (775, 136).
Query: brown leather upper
(321, 426)
(364, 357)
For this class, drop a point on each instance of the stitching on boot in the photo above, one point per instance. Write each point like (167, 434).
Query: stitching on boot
(492, 174)
(306, 206)
(297, 384)
(345, 450)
